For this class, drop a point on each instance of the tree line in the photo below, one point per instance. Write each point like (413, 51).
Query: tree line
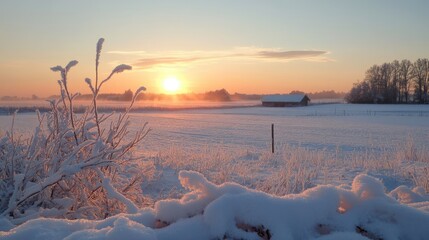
(396, 82)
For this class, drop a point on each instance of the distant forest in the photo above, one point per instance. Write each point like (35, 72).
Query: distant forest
(220, 95)
(396, 82)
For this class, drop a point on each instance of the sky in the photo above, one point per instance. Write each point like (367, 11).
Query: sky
(246, 46)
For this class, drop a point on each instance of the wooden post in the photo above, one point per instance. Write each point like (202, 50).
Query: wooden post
(272, 137)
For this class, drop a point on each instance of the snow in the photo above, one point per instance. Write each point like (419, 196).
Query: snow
(231, 211)
(342, 236)
(315, 127)
(406, 195)
(343, 196)
(113, 193)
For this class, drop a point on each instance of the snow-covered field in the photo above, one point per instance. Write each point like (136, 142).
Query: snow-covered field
(330, 126)
(364, 170)
(322, 126)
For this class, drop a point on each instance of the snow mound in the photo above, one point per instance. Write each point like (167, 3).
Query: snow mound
(231, 211)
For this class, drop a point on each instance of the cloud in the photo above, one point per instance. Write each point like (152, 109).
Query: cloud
(290, 54)
(153, 62)
(147, 60)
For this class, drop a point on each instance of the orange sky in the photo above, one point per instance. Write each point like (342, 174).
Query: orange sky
(272, 47)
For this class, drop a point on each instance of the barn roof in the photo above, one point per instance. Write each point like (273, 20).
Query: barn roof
(291, 98)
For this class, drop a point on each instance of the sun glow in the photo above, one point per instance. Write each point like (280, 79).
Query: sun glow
(171, 85)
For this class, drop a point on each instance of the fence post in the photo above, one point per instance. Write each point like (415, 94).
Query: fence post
(272, 137)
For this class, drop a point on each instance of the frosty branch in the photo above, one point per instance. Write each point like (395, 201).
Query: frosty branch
(71, 163)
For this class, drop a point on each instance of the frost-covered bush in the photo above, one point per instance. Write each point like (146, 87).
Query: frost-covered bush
(231, 211)
(73, 165)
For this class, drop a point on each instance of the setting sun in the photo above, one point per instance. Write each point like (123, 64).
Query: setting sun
(171, 85)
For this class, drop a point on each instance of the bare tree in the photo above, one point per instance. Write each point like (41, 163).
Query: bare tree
(420, 73)
(360, 93)
(372, 76)
(395, 81)
(380, 81)
(405, 77)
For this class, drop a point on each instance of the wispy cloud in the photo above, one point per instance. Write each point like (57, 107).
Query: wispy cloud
(148, 60)
(157, 61)
(290, 54)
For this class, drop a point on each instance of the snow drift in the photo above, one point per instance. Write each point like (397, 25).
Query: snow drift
(231, 211)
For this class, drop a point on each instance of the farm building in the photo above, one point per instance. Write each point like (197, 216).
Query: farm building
(285, 100)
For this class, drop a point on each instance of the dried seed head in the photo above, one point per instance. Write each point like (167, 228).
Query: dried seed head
(121, 68)
(57, 68)
(140, 89)
(71, 64)
(99, 45)
(89, 82)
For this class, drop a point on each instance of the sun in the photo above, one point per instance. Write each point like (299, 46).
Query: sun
(171, 84)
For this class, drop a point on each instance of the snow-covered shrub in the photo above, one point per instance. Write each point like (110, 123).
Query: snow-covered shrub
(232, 211)
(73, 165)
